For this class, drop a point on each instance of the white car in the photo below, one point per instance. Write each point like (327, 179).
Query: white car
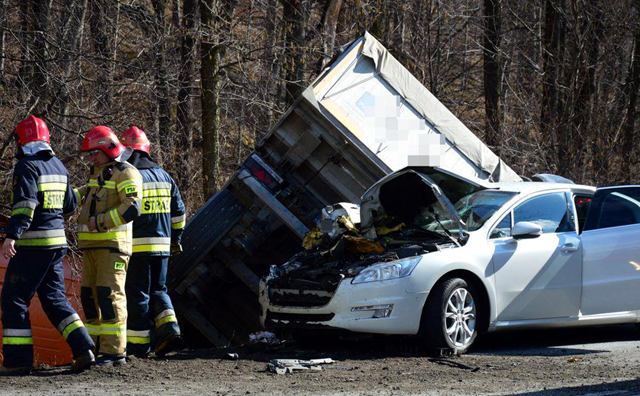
(505, 255)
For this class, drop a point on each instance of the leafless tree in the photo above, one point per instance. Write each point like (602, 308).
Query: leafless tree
(551, 85)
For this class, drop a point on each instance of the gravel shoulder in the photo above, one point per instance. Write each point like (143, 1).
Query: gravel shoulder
(561, 362)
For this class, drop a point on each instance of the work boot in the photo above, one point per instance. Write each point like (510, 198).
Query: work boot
(14, 371)
(172, 344)
(106, 360)
(85, 360)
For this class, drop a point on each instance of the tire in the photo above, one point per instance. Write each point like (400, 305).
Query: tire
(445, 326)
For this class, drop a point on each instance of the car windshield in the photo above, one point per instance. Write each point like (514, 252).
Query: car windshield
(474, 209)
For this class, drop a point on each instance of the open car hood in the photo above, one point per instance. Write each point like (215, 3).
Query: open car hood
(404, 193)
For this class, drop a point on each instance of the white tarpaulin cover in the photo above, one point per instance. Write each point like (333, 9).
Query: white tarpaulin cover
(394, 116)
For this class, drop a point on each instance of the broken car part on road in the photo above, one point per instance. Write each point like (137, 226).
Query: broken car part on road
(289, 366)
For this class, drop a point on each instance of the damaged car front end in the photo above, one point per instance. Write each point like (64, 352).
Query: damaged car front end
(357, 272)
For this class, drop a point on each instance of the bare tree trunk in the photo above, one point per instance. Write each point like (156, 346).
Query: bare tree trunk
(162, 108)
(216, 15)
(631, 93)
(41, 11)
(72, 42)
(3, 24)
(492, 73)
(396, 31)
(587, 87)
(103, 23)
(25, 50)
(434, 45)
(330, 23)
(175, 13)
(185, 116)
(295, 18)
(552, 56)
(381, 23)
(271, 55)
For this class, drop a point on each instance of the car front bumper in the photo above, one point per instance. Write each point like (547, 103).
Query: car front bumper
(339, 313)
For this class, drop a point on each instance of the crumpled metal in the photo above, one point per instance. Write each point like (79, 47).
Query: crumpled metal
(312, 239)
(384, 230)
(360, 245)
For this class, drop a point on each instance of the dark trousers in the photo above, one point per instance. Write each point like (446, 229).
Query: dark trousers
(150, 311)
(39, 271)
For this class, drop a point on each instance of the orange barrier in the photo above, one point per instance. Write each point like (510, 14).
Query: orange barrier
(49, 346)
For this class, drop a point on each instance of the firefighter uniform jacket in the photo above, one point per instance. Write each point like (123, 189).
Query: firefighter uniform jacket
(163, 217)
(114, 196)
(41, 196)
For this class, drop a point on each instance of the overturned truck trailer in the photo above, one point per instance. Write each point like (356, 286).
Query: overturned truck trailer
(362, 118)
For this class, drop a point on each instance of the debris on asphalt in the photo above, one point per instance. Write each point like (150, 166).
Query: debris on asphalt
(451, 363)
(233, 356)
(289, 366)
(263, 337)
(574, 360)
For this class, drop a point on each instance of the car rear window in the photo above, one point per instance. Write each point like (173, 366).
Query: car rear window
(614, 207)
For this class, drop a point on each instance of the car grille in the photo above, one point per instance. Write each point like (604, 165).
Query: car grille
(303, 292)
(278, 319)
(299, 298)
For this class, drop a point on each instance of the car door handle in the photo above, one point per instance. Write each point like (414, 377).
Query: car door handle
(568, 248)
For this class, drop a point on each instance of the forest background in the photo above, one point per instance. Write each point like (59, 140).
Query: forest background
(550, 85)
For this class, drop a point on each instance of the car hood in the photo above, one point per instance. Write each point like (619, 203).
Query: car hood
(403, 192)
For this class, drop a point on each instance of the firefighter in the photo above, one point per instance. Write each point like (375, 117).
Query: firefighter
(110, 202)
(156, 236)
(36, 244)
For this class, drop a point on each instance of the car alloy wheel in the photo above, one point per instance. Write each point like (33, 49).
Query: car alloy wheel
(450, 316)
(460, 318)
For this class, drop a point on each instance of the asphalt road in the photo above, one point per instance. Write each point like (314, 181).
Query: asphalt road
(591, 361)
(617, 348)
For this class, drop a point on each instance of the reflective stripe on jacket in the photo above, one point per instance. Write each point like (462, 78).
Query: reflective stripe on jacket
(114, 196)
(162, 217)
(41, 195)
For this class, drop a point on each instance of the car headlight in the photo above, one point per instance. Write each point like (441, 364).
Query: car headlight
(386, 271)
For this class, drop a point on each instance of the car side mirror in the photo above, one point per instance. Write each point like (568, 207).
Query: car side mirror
(526, 230)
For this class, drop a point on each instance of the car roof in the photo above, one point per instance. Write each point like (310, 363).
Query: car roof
(525, 186)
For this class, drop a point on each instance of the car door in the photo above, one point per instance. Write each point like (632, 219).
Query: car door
(539, 277)
(611, 243)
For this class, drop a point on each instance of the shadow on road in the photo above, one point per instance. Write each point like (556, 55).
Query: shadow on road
(622, 388)
(556, 342)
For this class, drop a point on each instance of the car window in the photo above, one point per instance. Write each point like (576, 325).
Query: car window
(503, 229)
(614, 208)
(549, 211)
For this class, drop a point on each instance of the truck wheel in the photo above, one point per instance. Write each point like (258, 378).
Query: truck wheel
(450, 316)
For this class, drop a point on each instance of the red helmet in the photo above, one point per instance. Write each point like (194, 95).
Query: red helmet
(32, 129)
(135, 138)
(103, 138)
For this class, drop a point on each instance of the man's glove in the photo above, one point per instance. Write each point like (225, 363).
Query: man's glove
(176, 248)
